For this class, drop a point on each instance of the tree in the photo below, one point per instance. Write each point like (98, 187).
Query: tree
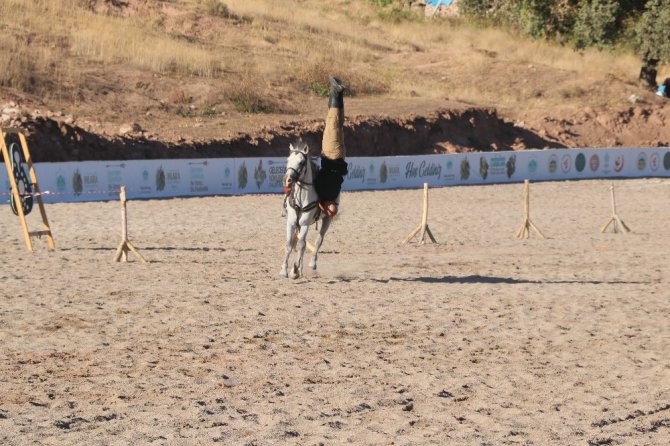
(596, 24)
(652, 40)
(535, 17)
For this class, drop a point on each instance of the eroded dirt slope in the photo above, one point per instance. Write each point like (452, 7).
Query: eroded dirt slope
(58, 138)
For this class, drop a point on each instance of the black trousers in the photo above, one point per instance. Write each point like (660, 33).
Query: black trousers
(329, 181)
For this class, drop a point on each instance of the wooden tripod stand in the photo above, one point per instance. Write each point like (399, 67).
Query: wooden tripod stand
(423, 228)
(527, 225)
(125, 246)
(614, 220)
(35, 188)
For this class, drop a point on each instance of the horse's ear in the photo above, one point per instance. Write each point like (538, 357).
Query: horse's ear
(290, 147)
(305, 149)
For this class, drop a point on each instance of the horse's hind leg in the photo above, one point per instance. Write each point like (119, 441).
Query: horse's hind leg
(325, 224)
(300, 248)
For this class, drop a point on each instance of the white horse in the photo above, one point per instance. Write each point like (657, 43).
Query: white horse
(302, 208)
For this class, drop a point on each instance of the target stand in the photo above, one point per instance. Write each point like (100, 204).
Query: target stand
(617, 224)
(423, 228)
(527, 225)
(22, 199)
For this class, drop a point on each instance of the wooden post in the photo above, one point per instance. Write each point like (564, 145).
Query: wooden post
(527, 225)
(614, 220)
(423, 227)
(35, 187)
(125, 246)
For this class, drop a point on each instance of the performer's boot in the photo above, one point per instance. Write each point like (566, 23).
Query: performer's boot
(336, 96)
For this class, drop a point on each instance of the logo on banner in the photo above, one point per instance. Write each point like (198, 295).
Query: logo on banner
(606, 163)
(227, 183)
(423, 170)
(145, 188)
(260, 174)
(356, 173)
(114, 180)
(77, 183)
(566, 163)
(60, 183)
(553, 163)
(618, 163)
(483, 167)
(641, 161)
(450, 171)
(654, 161)
(465, 169)
(580, 162)
(242, 176)
(160, 179)
(198, 183)
(594, 162)
(372, 176)
(91, 181)
(511, 166)
(495, 166)
(277, 171)
(173, 178)
(532, 165)
(383, 173)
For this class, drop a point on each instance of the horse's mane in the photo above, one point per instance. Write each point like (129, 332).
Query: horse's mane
(300, 145)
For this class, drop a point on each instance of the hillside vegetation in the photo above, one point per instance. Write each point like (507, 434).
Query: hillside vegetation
(208, 69)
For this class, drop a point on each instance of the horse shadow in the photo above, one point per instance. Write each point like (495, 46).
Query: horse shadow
(479, 279)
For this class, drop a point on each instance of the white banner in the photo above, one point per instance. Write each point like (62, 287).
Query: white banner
(101, 180)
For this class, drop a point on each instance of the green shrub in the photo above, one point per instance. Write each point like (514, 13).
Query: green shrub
(216, 8)
(208, 111)
(248, 99)
(396, 14)
(596, 24)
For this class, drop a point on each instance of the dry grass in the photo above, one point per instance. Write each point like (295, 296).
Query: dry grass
(46, 39)
(119, 41)
(47, 42)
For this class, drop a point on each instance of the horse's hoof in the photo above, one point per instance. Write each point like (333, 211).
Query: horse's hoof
(283, 274)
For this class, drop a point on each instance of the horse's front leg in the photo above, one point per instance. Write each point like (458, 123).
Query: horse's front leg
(325, 224)
(300, 251)
(290, 234)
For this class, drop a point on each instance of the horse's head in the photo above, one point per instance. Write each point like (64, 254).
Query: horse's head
(296, 163)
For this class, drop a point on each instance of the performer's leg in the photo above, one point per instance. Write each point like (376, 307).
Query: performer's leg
(333, 134)
(333, 150)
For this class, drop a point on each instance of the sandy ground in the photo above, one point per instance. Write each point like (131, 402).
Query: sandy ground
(481, 339)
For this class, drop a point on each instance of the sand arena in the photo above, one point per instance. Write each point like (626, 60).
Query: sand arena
(481, 339)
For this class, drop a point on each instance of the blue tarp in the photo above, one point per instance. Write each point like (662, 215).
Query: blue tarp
(435, 2)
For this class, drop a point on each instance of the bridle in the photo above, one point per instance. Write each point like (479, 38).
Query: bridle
(299, 173)
(296, 177)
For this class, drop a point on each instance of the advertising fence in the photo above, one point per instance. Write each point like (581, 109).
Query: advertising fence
(101, 180)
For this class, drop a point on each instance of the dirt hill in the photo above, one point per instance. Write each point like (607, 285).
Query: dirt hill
(423, 86)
